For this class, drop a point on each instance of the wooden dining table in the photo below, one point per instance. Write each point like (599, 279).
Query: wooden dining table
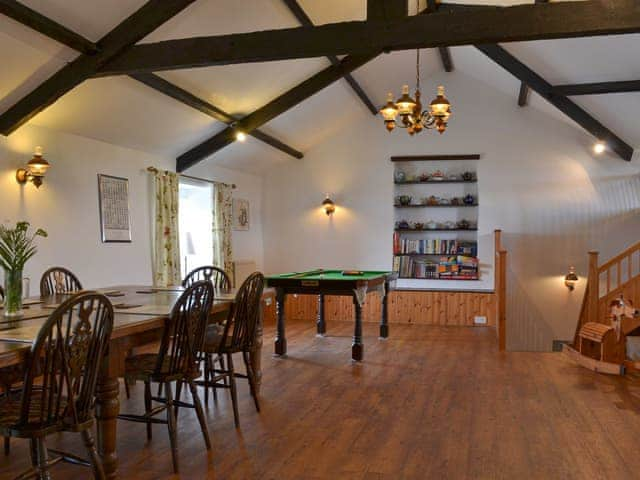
(140, 313)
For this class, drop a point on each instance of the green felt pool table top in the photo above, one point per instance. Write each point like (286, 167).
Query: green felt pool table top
(328, 275)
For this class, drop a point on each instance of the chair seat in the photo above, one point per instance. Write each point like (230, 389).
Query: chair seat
(11, 408)
(11, 375)
(143, 367)
(212, 338)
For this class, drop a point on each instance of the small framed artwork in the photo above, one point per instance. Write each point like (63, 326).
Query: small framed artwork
(113, 198)
(240, 214)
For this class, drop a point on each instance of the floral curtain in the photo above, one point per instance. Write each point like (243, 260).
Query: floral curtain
(222, 216)
(166, 244)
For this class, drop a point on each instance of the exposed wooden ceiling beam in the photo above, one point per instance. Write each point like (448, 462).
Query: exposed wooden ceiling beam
(35, 20)
(161, 85)
(445, 28)
(133, 29)
(46, 26)
(272, 109)
(445, 58)
(304, 20)
(597, 88)
(444, 52)
(566, 106)
(523, 94)
(386, 9)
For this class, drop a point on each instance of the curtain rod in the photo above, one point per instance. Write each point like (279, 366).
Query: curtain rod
(155, 170)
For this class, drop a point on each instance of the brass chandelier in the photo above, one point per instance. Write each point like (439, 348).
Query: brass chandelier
(412, 117)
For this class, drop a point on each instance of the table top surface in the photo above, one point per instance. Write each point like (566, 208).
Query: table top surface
(338, 275)
(136, 307)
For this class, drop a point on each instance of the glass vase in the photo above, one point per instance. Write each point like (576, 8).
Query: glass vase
(13, 293)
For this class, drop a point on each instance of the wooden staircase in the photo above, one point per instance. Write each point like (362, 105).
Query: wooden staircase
(607, 282)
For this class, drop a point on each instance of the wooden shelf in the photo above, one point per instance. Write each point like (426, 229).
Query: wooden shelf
(430, 254)
(434, 182)
(435, 206)
(422, 230)
(434, 158)
(441, 279)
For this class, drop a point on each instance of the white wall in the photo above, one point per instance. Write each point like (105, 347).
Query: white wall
(538, 181)
(67, 206)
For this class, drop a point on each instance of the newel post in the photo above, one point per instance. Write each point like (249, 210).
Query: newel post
(594, 286)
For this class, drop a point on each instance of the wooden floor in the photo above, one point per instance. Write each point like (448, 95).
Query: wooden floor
(430, 402)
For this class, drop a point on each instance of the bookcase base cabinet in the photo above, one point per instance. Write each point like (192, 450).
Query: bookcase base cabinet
(446, 308)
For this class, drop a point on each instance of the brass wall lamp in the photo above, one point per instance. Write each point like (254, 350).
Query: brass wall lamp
(35, 170)
(571, 279)
(328, 205)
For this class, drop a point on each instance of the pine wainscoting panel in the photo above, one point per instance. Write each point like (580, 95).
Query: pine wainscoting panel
(420, 307)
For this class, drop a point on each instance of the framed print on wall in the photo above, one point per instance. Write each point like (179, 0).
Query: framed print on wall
(113, 197)
(240, 214)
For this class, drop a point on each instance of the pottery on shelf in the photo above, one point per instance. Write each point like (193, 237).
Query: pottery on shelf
(418, 226)
(444, 201)
(399, 176)
(437, 175)
(432, 200)
(404, 199)
(449, 225)
(431, 225)
(463, 224)
(424, 177)
(469, 199)
(468, 176)
(402, 225)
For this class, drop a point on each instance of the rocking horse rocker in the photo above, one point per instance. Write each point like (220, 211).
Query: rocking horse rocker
(610, 347)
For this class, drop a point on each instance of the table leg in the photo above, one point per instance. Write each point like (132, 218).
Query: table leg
(357, 347)
(320, 323)
(281, 341)
(384, 320)
(107, 409)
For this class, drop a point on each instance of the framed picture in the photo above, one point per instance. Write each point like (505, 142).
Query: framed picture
(113, 198)
(240, 214)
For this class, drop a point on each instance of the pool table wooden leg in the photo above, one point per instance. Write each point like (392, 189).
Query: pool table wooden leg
(321, 326)
(281, 340)
(384, 320)
(357, 347)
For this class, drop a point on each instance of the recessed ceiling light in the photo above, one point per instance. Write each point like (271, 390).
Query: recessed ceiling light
(599, 147)
(241, 136)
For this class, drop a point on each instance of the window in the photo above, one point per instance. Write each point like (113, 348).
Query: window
(196, 221)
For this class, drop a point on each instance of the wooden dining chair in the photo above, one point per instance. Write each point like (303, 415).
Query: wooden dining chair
(59, 280)
(238, 335)
(59, 386)
(215, 275)
(176, 361)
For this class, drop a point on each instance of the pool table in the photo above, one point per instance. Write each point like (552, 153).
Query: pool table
(355, 284)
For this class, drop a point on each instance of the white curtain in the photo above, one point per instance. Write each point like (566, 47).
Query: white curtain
(222, 216)
(166, 246)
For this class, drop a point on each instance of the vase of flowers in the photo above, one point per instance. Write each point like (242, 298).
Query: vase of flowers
(16, 248)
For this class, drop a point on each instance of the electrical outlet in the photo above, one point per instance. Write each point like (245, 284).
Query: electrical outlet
(480, 320)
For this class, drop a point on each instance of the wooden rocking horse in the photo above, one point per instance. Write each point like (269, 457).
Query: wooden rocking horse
(602, 347)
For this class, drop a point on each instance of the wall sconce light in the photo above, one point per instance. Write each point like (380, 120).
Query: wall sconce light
(328, 205)
(571, 279)
(35, 170)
